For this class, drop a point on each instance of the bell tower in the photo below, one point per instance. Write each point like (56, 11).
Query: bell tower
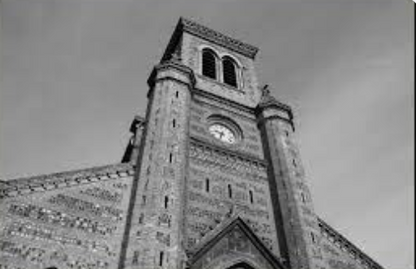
(219, 182)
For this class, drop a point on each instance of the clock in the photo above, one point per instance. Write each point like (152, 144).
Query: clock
(222, 133)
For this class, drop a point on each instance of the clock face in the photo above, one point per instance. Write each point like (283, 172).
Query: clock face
(222, 133)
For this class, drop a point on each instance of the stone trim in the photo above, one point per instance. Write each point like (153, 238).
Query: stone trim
(345, 245)
(174, 64)
(271, 102)
(268, 101)
(21, 186)
(246, 157)
(261, 121)
(206, 33)
(225, 227)
(213, 100)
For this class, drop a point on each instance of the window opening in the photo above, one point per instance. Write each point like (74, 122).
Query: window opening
(161, 258)
(135, 257)
(209, 64)
(251, 196)
(166, 201)
(303, 197)
(229, 72)
(141, 218)
(207, 185)
(313, 238)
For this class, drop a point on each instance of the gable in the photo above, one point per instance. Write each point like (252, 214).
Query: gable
(341, 253)
(232, 245)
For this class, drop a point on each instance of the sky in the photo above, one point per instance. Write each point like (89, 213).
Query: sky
(74, 75)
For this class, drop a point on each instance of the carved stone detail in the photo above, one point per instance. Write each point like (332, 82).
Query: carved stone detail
(60, 219)
(218, 38)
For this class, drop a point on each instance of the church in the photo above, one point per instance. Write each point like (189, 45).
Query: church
(211, 178)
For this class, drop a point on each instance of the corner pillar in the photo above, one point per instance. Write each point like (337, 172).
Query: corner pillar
(153, 236)
(296, 222)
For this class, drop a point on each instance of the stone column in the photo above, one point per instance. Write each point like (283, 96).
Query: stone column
(296, 222)
(154, 228)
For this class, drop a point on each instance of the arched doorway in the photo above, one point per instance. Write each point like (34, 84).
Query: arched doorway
(241, 265)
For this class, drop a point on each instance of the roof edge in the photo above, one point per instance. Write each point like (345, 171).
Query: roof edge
(349, 246)
(199, 30)
(44, 182)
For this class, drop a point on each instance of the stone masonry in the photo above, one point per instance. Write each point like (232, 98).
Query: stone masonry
(211, 179)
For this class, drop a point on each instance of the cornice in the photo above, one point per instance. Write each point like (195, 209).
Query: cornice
(22, 186)
(290, 122)
(218, 38)
(243, 110)
(272, 102)
(172, 64)
(269, 102)
(243, 156)
(354, 251)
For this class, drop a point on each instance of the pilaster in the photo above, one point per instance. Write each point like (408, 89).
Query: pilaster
(296, 222)
(154, 228)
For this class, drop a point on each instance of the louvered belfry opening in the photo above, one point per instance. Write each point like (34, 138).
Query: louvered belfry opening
(209, 64)
(229, 72)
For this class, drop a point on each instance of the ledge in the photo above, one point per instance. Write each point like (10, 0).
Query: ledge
(244, 156)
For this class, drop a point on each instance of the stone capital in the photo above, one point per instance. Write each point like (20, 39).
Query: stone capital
(172, 70)
(271, 109)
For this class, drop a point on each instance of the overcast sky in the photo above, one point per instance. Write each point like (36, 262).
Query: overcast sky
(74, 75)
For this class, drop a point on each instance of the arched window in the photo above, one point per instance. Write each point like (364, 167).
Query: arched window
(209, 64)
(229, 69)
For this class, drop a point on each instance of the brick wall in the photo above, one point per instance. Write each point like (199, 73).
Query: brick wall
(72, 220)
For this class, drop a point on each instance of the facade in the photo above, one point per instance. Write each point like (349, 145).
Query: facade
(211, 178)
